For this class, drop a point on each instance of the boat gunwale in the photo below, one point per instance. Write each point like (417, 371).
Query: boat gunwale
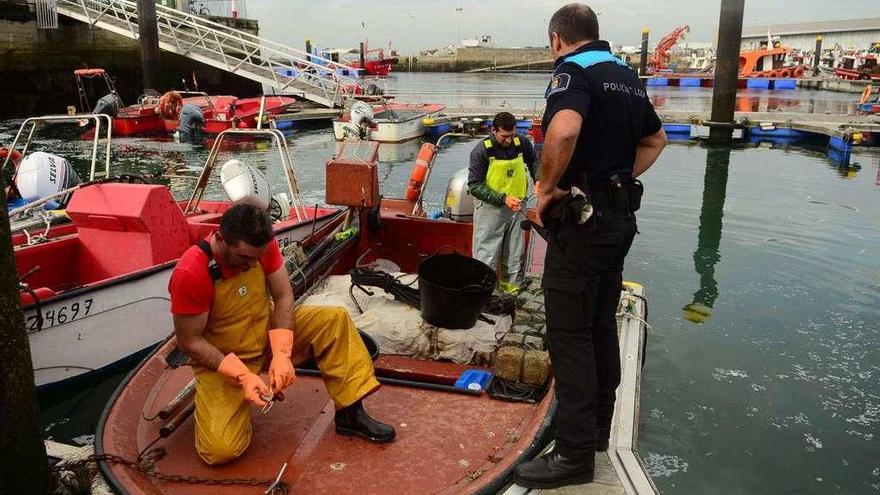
(145, 272)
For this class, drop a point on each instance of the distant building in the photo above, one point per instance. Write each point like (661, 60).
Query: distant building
(855, 34)
(480, 41)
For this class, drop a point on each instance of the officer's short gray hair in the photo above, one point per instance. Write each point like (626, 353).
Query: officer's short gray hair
(575, 22)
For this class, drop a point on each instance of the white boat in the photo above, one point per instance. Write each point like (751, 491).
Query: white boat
(87, 308)
(386, 123)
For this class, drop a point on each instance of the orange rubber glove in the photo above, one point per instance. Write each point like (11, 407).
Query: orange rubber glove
(252, 385)
(281, 374)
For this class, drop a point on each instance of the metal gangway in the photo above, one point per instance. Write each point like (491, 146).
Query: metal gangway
(284, 69)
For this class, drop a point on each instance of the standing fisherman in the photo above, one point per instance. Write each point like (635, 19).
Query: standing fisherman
(498, 177)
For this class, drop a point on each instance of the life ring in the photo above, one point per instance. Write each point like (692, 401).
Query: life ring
(785, 73)
(15, 156)
(798, 71)
(867, 93)
(420, 171)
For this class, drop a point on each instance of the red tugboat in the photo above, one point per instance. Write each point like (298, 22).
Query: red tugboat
(376, 63)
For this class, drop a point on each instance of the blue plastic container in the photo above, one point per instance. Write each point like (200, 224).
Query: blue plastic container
(757, 83)
(437, 130)
(474, 379)
(690, 82)
(657, 81)
(677, 129)
(785, 84)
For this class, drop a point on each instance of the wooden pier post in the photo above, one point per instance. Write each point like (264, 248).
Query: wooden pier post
(148, 33)
(643, 59)
(22, 452)
(817, 55)
(726, 70)
(309, 50)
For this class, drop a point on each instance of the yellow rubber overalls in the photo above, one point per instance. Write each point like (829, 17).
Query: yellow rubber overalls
(239, 322)
(497, 234)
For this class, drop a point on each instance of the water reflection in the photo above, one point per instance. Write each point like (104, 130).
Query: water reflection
(708, 253)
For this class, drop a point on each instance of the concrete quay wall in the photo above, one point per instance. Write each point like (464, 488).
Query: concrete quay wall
(466, 59)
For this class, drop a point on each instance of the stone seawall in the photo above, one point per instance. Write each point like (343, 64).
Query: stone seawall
(466, 59)
(37, 65)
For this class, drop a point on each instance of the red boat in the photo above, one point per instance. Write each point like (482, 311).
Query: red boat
(230, 112)
(375, 61)
(87, 308)
(447, 442)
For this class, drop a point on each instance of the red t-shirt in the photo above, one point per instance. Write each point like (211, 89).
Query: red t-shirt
(191, 286)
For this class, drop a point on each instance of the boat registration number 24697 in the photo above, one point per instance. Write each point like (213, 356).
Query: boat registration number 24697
(61, 314)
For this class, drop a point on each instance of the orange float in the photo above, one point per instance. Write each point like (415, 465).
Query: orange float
(420, 171)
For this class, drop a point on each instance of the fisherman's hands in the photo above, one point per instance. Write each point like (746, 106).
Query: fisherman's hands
(512, 202)
(546, 198)
(252, 385)
(281, 374)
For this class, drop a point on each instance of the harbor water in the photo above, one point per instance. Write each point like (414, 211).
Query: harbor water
(762, 268)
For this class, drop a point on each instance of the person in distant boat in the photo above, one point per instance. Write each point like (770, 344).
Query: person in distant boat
(498, 178)
(601, 133)
(190, 117)
(108, 104)
(233, 313)
(191, 123)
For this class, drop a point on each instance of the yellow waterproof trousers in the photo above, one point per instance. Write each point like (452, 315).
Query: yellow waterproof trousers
(222, 417)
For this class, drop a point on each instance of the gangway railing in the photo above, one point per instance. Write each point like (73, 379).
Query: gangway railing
(283, 68)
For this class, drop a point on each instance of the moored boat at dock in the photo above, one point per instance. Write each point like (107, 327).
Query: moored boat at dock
(87, 308)
(390, 122)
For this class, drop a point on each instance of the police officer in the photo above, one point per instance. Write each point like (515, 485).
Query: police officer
(498, 178)
(601, 133)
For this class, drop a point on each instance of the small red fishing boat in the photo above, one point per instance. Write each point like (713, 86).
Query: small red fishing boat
(230, 112)
(87, 308)
(448, 441)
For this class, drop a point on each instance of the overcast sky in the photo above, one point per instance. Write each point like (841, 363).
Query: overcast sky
(417, 25)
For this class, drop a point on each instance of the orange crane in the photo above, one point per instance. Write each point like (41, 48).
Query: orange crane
(660, 58)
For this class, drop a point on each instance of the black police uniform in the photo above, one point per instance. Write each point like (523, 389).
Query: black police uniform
(583, 270)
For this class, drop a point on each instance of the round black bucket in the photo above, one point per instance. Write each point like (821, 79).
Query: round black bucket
(453, 289)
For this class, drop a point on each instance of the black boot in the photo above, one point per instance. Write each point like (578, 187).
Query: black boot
(554, 470)
(602, 436)
(354, 420)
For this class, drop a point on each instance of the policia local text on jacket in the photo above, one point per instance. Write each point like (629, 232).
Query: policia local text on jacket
(496, 171)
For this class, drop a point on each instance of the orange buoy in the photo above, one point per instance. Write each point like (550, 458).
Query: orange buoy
(169, 105)
(784, 73)
(866, 94)
(420, 171)
(798, 71)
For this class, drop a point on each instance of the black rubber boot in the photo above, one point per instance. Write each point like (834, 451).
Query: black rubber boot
(354, 420)
(554, 470)
(602, 437)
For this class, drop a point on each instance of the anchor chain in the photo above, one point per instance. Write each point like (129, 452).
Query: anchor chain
(147, 464)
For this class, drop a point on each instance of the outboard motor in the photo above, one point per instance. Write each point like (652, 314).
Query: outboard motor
(241, 180)
(42, 174)
(108, 104)
(360, 125)
(459, 204)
